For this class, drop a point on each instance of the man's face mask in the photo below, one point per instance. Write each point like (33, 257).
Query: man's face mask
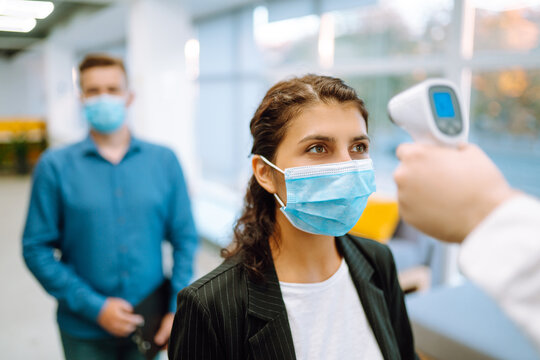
(105, 113)
(327, 199)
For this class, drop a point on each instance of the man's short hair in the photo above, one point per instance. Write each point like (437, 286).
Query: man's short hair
(101, 60)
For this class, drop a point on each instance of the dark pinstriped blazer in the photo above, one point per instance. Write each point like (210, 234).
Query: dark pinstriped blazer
(225, 315)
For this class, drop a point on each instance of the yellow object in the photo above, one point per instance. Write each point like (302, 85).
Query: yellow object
(34, 129)
(379, 220)
(15, 125)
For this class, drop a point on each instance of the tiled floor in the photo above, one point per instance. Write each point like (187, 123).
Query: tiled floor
(28, 326)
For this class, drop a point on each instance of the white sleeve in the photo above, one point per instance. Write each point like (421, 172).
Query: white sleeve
(502, 256)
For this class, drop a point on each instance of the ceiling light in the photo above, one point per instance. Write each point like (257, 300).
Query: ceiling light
(16, 24)
(26, 8)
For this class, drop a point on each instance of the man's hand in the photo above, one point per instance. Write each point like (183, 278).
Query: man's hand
(117, 317)
(164, 332)
(447, 192)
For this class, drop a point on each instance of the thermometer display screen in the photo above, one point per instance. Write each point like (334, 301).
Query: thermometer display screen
(443, 104)
(445, 110)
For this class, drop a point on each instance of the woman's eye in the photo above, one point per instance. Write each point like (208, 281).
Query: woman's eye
(115, 91)
(318, 149)
(359, 148)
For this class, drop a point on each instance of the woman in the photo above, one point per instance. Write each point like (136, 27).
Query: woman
(294, 285)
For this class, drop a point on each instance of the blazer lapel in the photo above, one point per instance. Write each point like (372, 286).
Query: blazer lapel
(371, 295)
(274, 339)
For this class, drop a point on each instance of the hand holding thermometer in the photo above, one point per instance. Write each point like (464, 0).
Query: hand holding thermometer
(431, 113)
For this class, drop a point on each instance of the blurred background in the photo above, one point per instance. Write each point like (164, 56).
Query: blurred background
(199, 68)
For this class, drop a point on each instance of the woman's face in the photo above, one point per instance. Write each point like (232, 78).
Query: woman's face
(323, 133)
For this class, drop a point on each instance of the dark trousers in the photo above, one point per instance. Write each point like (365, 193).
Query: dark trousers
(99, 349)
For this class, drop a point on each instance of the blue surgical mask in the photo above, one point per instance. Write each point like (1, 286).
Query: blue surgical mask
(105, 113)
(327, 199)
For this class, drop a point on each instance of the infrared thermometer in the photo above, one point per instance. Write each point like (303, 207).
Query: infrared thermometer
(431, 112)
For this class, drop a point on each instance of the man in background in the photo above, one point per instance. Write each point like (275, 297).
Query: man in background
(98, 214)
(459, 195)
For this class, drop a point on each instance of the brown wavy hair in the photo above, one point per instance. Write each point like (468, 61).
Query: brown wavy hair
(281, 104)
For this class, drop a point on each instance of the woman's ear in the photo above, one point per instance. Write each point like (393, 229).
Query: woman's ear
(263, 174)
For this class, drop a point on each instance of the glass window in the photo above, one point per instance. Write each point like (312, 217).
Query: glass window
(217, 37)
(215, 131)
(505, 122)
(392, 27)
(513, 30)
(222, 129)
(230, 88)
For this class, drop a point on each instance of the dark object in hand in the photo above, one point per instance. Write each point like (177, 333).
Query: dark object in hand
(153, 308)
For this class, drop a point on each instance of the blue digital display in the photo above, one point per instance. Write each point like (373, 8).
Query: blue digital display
(443, 104)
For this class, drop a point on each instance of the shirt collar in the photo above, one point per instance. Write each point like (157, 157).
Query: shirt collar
(88, 146)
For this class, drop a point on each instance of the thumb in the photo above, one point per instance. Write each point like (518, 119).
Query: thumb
(164, 331)
(162, 335)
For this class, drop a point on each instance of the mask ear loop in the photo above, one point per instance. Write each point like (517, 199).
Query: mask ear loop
(278, 169)
(272, 165)
(279, 201)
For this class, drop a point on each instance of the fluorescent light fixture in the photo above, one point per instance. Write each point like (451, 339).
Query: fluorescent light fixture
(16, 24)
(26, 8)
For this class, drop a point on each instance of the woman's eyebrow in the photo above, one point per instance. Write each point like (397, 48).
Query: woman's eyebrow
(332, 139)
(318, 137)
(361, 137)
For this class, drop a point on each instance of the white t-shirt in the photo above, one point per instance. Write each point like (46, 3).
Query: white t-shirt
(328, 321)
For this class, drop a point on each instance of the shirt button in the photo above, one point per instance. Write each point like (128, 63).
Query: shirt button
(121, 220)
(125, 274)
(119, 193)
(123, 249)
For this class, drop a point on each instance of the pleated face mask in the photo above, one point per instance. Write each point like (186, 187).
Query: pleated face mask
(105, 113)
(327, 199)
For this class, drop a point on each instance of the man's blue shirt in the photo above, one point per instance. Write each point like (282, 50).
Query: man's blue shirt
(108, 222)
